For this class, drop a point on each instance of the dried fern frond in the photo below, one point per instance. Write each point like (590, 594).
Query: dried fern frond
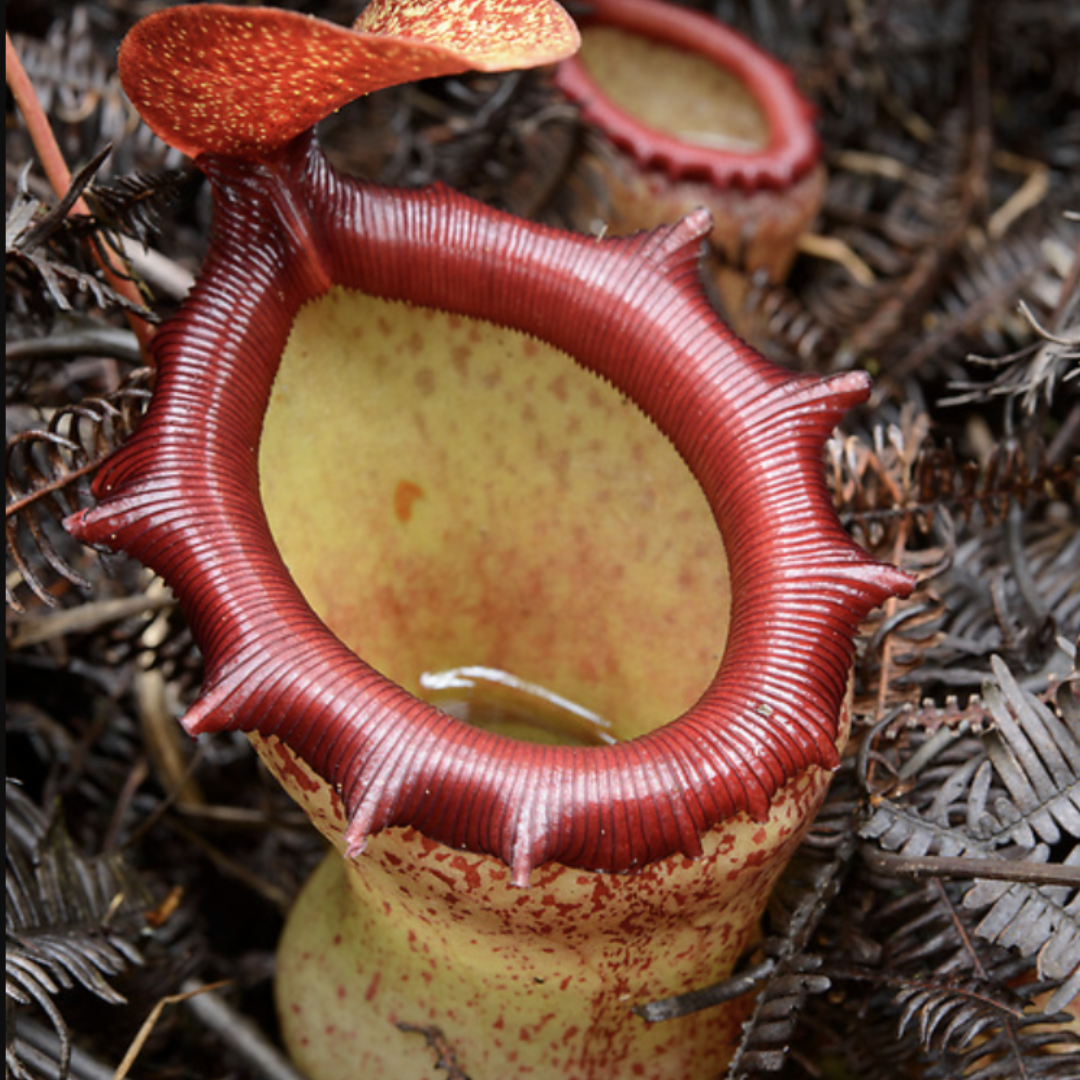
(963, 1007)
(1009, 591)
(951, 265)
(50, 245)
(47, 475)
(933, 978)
(1008, 798)
(951, 1016)
(807, 889)
(979, 306)
(1036, 753)
(70, 921)
(903, 480)
(908, 243)
(1033, 374)
(31, 235)
(132, 204)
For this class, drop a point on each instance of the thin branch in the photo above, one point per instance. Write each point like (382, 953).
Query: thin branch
(84, 619)
(696, 1000)
(958, 866)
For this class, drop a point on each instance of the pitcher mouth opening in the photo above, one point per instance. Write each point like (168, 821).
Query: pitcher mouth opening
(450, 495)
(687, 95)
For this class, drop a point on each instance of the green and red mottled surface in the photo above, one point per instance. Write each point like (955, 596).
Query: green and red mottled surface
(539, 981)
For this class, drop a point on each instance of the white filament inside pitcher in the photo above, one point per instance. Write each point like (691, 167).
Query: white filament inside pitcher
(498, 701)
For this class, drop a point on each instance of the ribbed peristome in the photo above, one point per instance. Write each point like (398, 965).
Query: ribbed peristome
(183, 497)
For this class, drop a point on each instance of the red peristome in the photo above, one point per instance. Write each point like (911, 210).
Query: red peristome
(793, 147)
(182, 496)
(244, 82)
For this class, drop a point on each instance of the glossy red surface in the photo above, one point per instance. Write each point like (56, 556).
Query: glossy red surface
(183, 497)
